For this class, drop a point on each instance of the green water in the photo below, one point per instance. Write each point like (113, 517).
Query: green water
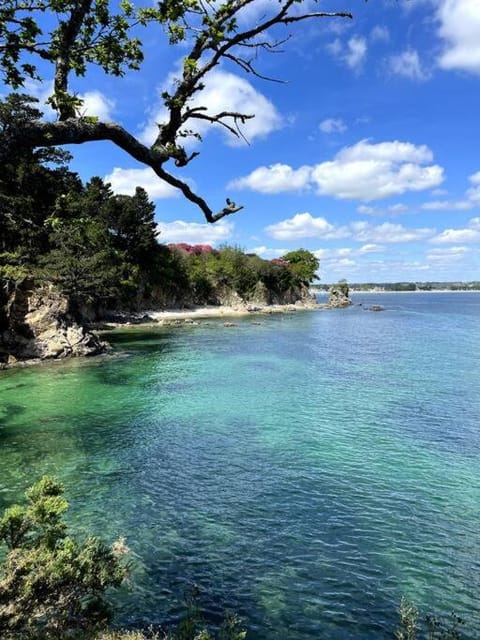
(305, 471)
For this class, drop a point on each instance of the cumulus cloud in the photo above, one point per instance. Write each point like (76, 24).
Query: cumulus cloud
(268, 253)
(460, 236)
(356, 52)
(369, 171)
(352, 53)
(407, 64)
(125, 181)
(459, 28)
(276, 178)
(364, 171)
(332, 125)
(95, 103)
(304, 225)
(457, 235)
(223, 92)
(470, 200)
(194, 232)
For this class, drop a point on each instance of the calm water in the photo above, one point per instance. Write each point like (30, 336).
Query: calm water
(305, 470)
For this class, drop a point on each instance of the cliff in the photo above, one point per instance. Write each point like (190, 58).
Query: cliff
(36, 324)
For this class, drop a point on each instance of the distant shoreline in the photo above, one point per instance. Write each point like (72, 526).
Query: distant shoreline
(355, 291)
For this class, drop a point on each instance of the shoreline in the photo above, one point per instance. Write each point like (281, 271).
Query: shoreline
(166, 317)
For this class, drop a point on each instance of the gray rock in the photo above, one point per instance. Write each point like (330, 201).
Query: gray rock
(39, 325)
(338, 297)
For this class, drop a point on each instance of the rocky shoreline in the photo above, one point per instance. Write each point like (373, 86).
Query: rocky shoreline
(175, 316)
(41, 327)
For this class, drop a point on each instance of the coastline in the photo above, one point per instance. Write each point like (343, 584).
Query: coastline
(175, 317)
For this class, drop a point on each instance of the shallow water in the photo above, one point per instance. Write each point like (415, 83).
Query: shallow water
(305, 472)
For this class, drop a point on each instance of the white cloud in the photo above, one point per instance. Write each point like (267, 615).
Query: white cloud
(454, 236)
(447, 255)
(371, 248)
(268, 253)
(357, 51)
(380, 33)
(407, 64)
(304, 225)
(390, 210)
(387, 232)
(475, 223)
(475, 178)
(194, 232)
(470, 201)
(276, 178)
(353, 53)
(457, 235)
(369, 171)
(473, 194)
(447, 205)
(42, 91)
(364, 171)
(223, 92)
(459, 28)
(332, 125)
(97, 104)
(125, 181)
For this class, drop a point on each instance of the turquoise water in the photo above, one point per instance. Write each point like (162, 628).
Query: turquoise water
(305, 470)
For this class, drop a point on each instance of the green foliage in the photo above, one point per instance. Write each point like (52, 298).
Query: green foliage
(217, 272)
(303, 264)
(30, 183)
(51, 585)
(408, 621)
(343, 286)
(432, 627)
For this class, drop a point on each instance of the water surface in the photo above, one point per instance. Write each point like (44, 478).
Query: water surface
(305, 470)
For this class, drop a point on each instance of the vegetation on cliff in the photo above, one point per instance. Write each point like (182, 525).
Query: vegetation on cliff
(100, 251)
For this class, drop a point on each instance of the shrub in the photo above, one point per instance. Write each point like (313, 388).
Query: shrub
(51, 585)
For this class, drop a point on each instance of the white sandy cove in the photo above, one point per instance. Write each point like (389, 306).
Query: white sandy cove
(225, 311)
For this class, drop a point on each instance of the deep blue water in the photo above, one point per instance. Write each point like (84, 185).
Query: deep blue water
(305, 470)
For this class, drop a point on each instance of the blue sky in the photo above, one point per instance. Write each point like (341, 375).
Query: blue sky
(368, 154)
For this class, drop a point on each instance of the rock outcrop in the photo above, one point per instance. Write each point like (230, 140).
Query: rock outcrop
(338, 296)
(36, 323)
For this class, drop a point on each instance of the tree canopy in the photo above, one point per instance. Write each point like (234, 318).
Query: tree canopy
(64, 38)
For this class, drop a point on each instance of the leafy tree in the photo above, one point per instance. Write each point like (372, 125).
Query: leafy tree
(131, 223)
(31, 180)
(303, 264)
(51, 585)
(67, 37)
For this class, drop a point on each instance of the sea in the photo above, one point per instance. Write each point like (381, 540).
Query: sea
(304, 470)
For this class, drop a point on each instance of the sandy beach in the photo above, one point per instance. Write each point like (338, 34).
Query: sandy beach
(176, 316)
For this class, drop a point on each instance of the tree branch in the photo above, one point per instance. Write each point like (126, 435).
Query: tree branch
(79, 130)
